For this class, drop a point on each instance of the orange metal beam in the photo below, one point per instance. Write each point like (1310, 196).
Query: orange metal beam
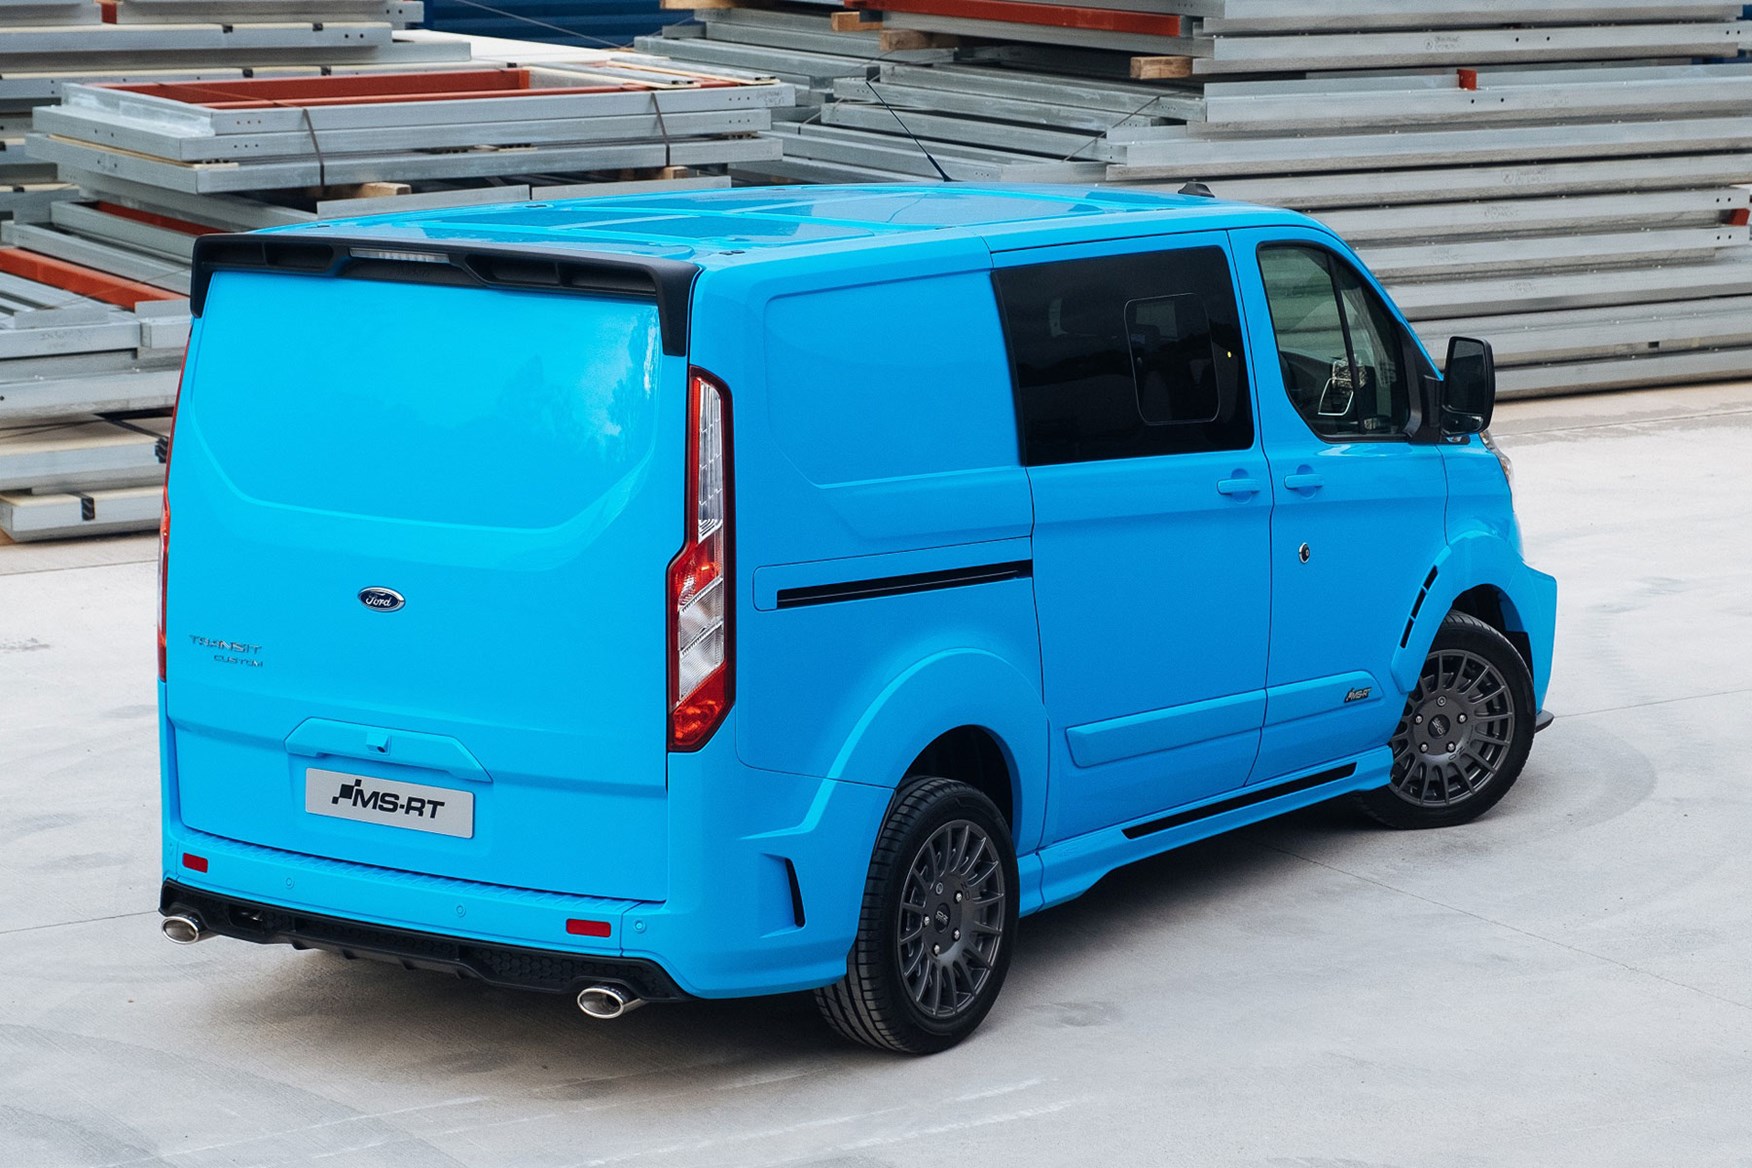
(388, 98)
(373, 89)
(153, 219)
(79, 279)
(1053, 15)
(289, 90)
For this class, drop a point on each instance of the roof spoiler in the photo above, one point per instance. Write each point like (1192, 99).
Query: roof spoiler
(469, 264)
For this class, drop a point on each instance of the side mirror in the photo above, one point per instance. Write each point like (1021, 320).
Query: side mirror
(1468, 386)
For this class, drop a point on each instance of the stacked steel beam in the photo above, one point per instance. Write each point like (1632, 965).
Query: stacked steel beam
(48, 44)
(1567, 177)
(90, 346)
(267, 135)
(94, 282)
(813, 49)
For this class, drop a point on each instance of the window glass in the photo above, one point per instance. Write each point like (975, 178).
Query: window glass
(1126, 356)
(1173, 359)
(1384, 394)
(1342, 355)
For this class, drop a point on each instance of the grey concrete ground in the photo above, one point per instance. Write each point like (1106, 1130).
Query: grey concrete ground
(1566, 982)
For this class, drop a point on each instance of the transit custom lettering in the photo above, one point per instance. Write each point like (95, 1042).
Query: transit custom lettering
(230, 652)
(387, 802)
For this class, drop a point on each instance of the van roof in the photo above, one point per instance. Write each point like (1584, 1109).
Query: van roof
(720, 227)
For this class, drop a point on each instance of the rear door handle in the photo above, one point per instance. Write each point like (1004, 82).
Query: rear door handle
(1305, 481)
(1238, 486)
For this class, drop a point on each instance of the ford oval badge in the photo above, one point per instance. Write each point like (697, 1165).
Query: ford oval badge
(381, 599)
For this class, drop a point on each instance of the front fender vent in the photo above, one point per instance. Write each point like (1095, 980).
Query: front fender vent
(1423, 594)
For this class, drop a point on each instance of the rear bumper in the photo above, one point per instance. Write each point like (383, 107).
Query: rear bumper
(512, 967)
(765, 883)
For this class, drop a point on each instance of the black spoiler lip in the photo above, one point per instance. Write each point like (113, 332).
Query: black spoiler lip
(525, 267)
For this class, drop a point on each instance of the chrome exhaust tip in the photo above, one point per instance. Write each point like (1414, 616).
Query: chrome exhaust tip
(604, 1002)
(184, 929)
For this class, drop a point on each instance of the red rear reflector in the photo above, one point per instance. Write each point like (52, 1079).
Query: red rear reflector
(194, 863)
(585, 928)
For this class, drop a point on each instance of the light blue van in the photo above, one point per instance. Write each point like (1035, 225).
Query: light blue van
(762, 590)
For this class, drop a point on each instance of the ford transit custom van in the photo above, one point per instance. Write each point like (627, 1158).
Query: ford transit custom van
(741, 592)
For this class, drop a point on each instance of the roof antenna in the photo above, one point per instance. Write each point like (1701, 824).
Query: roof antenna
(1197, 190)
(935, 165)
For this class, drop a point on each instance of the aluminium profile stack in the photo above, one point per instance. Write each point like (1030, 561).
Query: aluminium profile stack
(267, 135)
(93, 284)
(811, 48)
(48, 44)
(1568, 178)
(76, 340)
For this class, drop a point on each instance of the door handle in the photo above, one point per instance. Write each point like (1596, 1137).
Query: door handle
(1304, 481)
(1238, 486)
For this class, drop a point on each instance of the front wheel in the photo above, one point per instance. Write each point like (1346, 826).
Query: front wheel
(936, 926)
(1465, 733)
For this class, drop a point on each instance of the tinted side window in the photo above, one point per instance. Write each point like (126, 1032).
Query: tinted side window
(1342, 354)
(1126, 356)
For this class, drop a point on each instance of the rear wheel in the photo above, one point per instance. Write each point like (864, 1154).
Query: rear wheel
(936, 926)
(1465, 733)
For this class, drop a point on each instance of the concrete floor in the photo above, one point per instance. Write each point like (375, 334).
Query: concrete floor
(1566, 982)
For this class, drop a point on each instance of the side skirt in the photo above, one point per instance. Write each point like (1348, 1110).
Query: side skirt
(1071, 867)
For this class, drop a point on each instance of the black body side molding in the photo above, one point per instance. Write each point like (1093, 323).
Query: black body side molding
(1235, 803)
(901, 585)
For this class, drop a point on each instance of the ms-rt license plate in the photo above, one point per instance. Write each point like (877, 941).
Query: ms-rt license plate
(410, 805)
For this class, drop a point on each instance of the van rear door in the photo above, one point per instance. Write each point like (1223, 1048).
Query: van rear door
(419, 534)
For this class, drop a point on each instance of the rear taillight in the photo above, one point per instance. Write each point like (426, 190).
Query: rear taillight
(701, 653)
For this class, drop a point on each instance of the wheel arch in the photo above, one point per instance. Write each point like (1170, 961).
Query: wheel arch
(967, 710)
(975, 756)
(1496, 608)
(1482, 575)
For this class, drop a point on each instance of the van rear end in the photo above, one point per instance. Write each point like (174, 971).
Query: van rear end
(447, 627)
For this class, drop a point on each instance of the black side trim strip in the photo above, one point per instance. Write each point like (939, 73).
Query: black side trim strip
(900, 585)
(510, 966)
(1247, 799)
(496, 265)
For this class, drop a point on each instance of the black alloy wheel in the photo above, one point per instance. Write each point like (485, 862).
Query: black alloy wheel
(937, 924)
(951, 919)
(1464, 734)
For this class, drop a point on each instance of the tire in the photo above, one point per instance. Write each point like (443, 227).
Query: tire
(936, 926)
(1465, 732)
